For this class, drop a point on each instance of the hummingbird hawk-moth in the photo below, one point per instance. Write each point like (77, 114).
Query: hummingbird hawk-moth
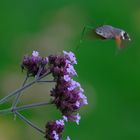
(107, 32)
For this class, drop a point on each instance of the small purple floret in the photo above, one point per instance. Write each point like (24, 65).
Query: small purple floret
(34, 63)
(68, 138)
(54, 130)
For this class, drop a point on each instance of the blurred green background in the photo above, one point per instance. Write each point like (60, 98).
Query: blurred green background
(111, 81)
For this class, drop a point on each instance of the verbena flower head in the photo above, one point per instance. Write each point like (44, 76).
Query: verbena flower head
(68, 94)
(32, 64)
(54, 130)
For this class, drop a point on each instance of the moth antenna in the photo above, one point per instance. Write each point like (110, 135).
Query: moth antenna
(82, 35)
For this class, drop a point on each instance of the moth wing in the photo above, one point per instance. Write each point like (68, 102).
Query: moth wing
(119, 42)
(97, 35)
(105, 32)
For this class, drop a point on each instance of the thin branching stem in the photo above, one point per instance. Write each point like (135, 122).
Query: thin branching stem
(46, 81)
(32, 106)
(39, 72)
(30, 123)
(15, 102)
(24, 107)
(22, 88)
(16, 92)
(5, 111)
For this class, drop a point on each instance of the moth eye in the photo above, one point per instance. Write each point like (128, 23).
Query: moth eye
(126, 35)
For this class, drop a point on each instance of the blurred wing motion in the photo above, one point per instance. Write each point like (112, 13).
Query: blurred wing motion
(119, 42)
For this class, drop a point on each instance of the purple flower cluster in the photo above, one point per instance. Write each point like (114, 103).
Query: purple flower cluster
(68, 94)
(32, 64)
(54, 130)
